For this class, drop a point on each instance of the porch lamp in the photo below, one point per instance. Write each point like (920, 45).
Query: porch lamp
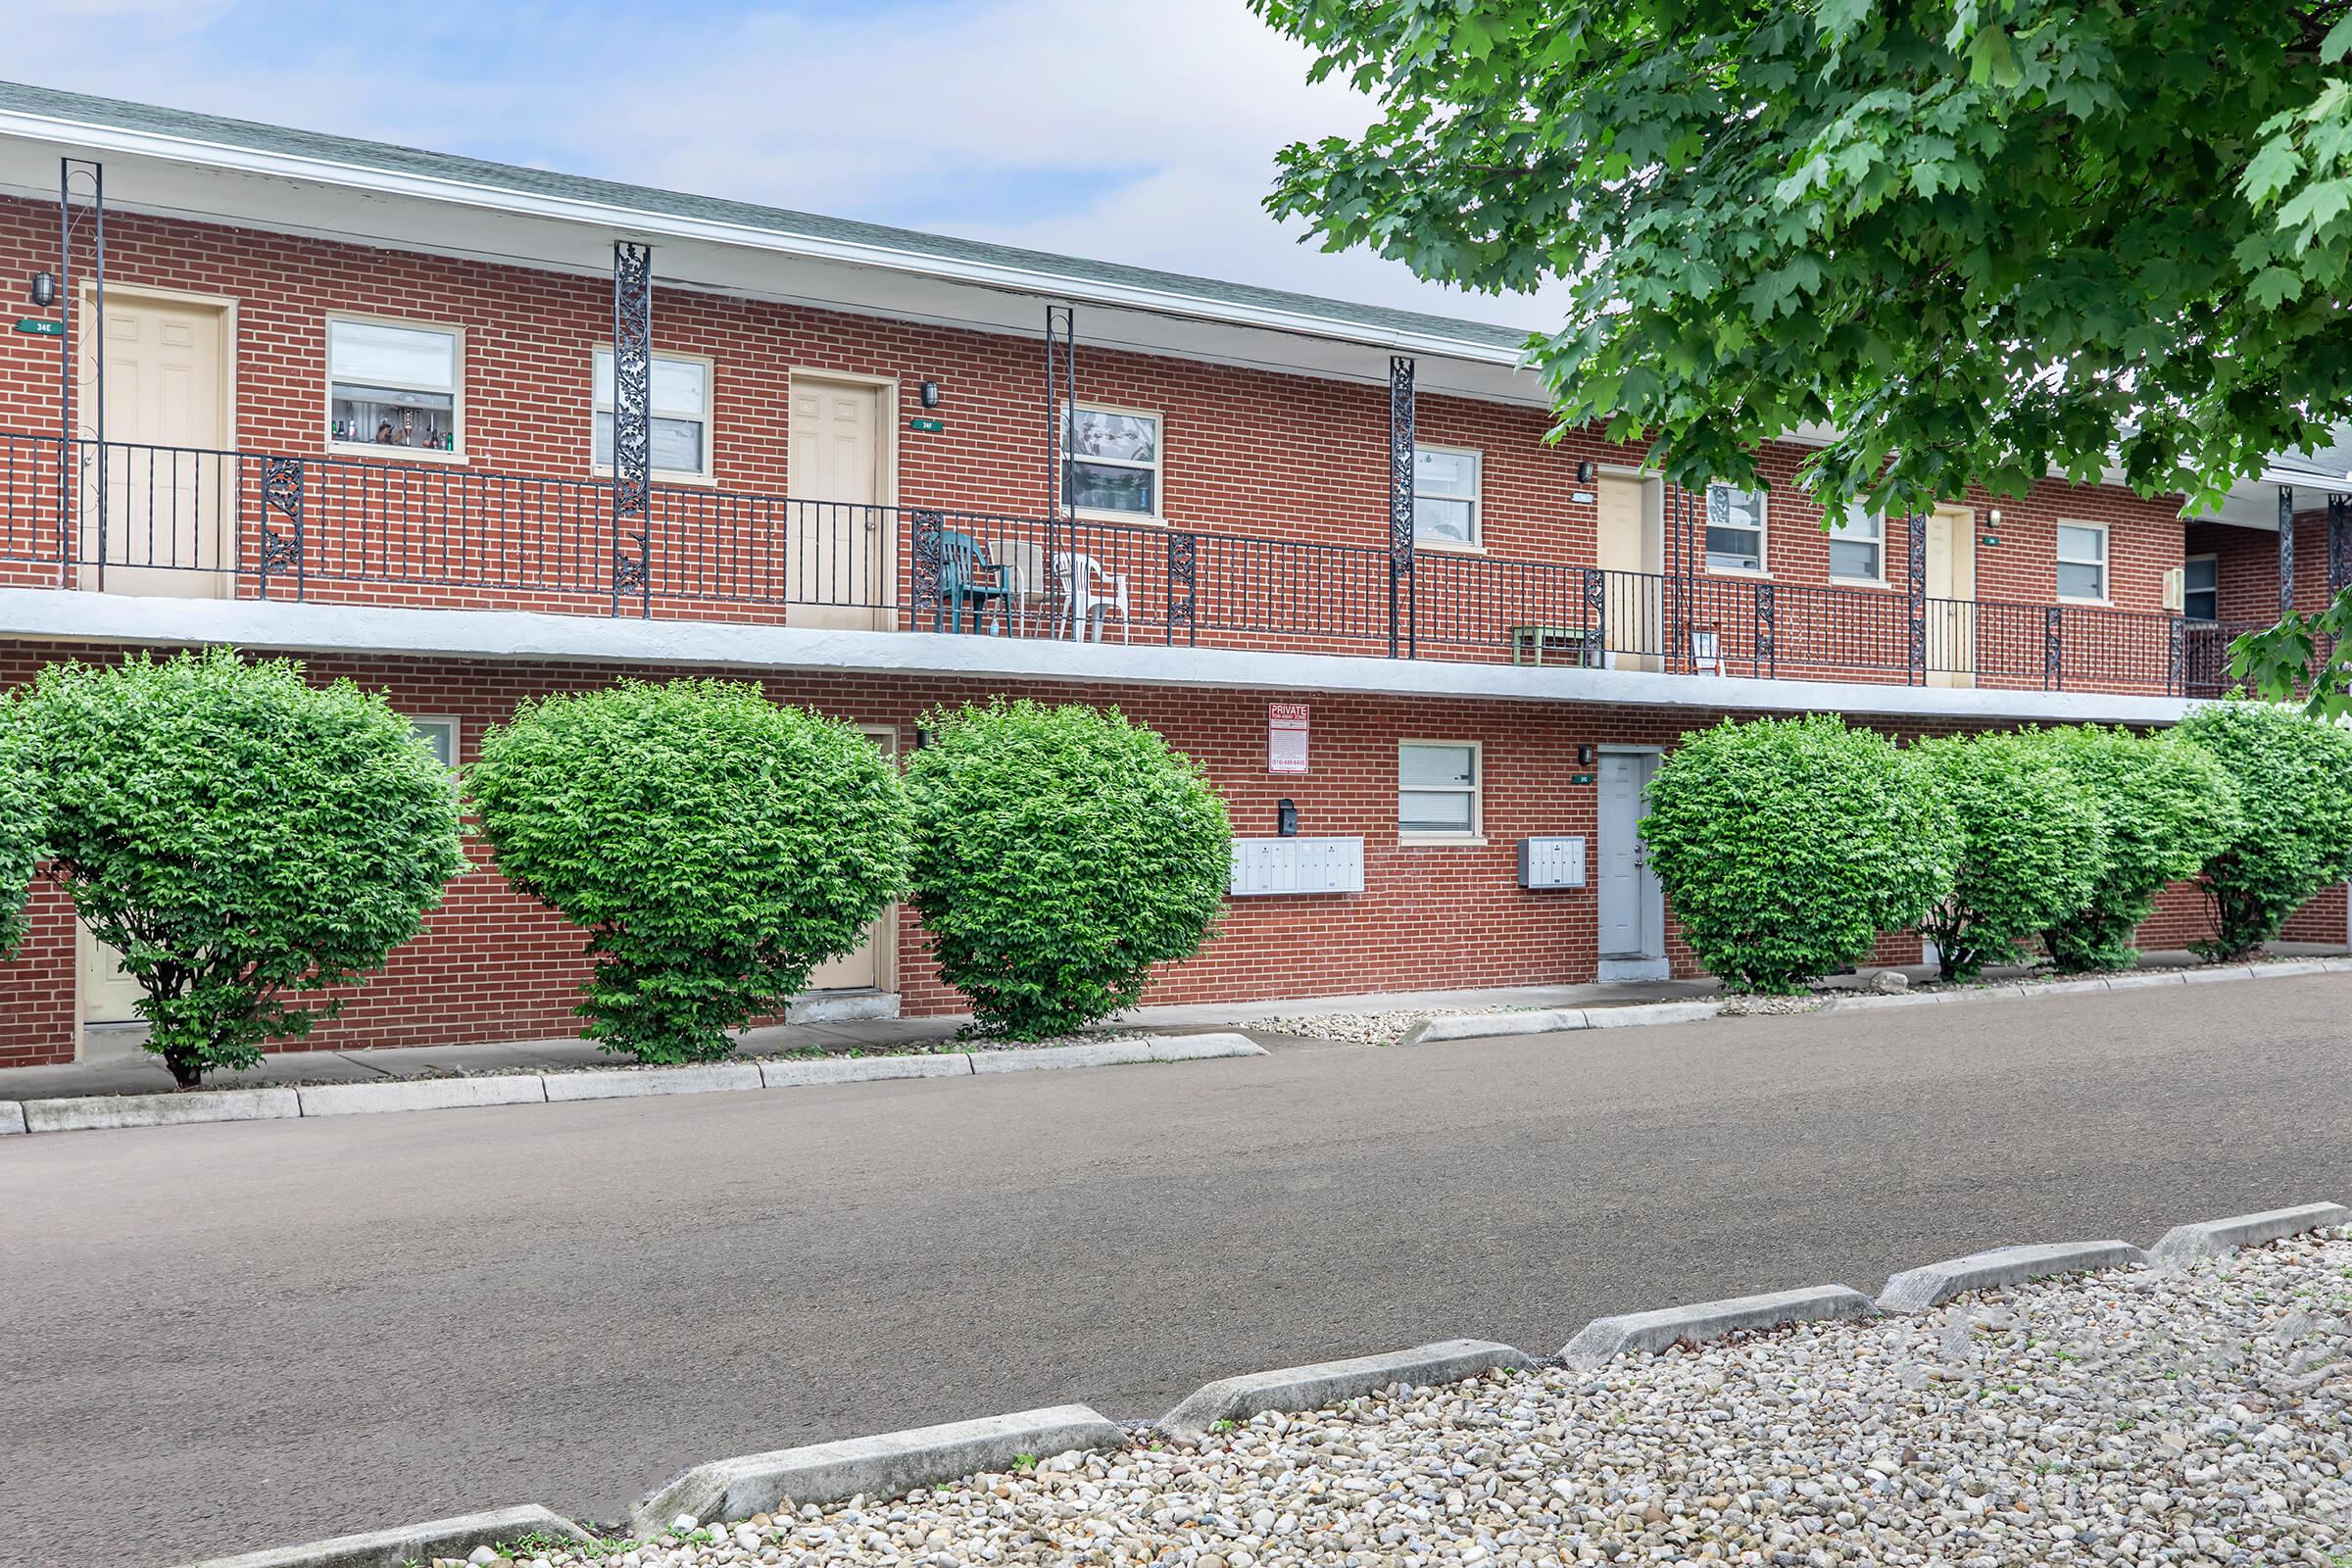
(44, 289)
(1587, 471)
(928, 393)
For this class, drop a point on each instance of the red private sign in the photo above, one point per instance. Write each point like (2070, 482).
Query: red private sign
(1286, 736)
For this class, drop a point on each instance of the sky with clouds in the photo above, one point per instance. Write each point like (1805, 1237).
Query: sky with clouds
(1130, 130)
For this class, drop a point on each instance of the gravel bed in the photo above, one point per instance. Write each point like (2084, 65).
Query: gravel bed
(1359, 1028)
(2196, 1413)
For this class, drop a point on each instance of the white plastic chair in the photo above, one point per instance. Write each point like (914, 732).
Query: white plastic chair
(1706, 650)
(1026, 583)
(1091, 593)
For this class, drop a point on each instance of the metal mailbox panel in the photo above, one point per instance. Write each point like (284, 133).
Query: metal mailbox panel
(1263, 867)
(1552, 863)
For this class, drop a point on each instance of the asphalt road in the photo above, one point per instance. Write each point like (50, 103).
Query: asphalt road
(229, 1337)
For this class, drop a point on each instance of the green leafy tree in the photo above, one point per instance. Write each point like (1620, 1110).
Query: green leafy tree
(2167, 807)
(1059, 854)
(1785, 846)
(1981, 240)
(715, 845)
(2033, 845)
(2293, 832)
(239, 836)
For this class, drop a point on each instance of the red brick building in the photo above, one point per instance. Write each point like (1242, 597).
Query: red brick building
(358, 403)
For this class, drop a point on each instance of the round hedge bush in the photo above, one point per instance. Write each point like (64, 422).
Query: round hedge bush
(238, 835)
(2033, 845)
(715, 845)
(22, 820)
(2293, 833)
(1059, 854)
(1785, 846)
(2167, 807)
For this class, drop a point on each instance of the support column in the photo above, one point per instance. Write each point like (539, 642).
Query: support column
(1400, 504)
(632, 423)
(2287, 550)
(1916, 595)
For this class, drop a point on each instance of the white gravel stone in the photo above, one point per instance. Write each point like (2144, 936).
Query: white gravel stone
(2193, 1413)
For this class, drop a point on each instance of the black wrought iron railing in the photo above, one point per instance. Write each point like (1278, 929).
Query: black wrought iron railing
(154, 518)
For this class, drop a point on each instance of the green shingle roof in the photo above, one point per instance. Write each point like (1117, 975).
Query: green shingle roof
(383, 157)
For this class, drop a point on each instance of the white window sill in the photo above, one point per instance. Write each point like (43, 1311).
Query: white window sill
(2087, 603)
(1450, 546)
(1861, 582)
(1753, 573)
(1438, 841)
(382, 453)
(708, 481)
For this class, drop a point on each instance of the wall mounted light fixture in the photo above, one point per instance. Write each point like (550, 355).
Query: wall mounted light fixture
(1587, 471)
(1584, 757)
(44, 289)
(929, 392)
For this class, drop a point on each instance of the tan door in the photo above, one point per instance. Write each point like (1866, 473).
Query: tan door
(108, 995)
(161, 473)
(1951, 596)
(869, 967)
(1628, 549)
(839, 533)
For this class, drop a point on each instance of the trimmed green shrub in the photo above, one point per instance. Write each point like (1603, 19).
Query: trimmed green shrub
(1785, 846)
(715, 845)
(2169, 806)
(2294, 829)
(1059, 854)
(2033, 845)
(22, 818)
(238, 836)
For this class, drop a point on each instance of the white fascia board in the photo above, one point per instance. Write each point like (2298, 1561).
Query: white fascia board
(638, 222)
(44, 614)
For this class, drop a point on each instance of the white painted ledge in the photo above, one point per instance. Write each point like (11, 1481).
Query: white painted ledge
(46, 614)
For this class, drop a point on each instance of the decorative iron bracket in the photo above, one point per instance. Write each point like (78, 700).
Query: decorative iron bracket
(1596, 616)
(2339, 544)
(2053, 649)
(924, 525)
(1401, 491)
(2176, 657)
(282, 493)
(1768, 658)
(1183, 585)
(2287, 550)
(632, 423)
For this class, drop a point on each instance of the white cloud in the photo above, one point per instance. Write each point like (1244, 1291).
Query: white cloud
(1140, 133)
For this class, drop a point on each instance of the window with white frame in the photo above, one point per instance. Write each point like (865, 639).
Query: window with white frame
(2081, 561)
(1858, 545)
(1446, 508)
(2201, 588)
(1438, 789)
(393, 384)
(681, 414)
(440, 736)
(1735, 528)
(1111, 461)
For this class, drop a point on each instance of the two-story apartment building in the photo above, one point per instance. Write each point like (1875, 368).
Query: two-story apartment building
(362, 404)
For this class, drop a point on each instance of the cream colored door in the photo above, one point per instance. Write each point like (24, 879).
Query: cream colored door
(1951, 596)
(1628, 548)
(869, 967)
(838, 533)
(164, 480)
(108, 995)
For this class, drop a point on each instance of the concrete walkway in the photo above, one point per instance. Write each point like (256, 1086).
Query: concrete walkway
(114, 1063)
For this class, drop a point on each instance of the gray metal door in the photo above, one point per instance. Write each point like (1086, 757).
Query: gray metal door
(1631, 904)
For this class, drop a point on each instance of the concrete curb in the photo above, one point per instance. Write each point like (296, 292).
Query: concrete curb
(515, 1088)
(619, 1083)
(807, 1071)
(1918, 1288)
(390, 1548)
(1563, 1020)
(2214, 1236)
(1604, 1338)
(1118, 1053)
(419, 1093)
(157, 1110)
(887, 1467)
(1308, 1388)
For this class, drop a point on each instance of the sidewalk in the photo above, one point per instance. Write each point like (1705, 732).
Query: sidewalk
(116, 1064)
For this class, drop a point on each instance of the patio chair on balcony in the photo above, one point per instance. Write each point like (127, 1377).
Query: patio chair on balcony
(1031, 591)
(966, 576)
(1092, 593)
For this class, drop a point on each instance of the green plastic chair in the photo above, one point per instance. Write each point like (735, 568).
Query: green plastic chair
(967, 576)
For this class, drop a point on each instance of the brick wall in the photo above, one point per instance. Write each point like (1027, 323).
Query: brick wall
(493, 965)
(1247, 451)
